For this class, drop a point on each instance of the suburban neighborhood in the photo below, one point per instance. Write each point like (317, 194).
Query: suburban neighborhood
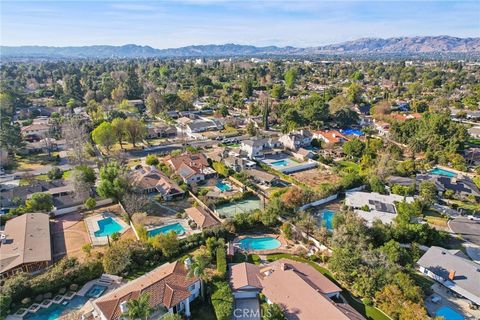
(237, 182)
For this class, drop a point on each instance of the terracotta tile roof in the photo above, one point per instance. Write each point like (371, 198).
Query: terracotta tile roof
(27, 240)
(332, 136)
(167, 286)
(201, 217)
(245, 274)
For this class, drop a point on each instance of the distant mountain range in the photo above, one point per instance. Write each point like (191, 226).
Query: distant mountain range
(404, 46)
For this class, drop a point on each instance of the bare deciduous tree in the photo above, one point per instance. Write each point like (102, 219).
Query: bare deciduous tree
(134, 203)
(75, 135)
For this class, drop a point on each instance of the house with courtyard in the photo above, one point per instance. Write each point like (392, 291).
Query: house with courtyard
(169, 288)
(192, 168)
(298, 288)
(150, 180)
(461, 185)
(373, 206)
(25, 244)
(452, 270)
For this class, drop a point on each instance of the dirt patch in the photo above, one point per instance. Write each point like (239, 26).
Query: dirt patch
(314, 177)
(69, 234)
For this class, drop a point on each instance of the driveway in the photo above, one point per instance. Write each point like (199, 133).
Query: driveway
(468, 229)
(246, 309)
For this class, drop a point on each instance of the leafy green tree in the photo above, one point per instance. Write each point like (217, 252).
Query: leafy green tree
(427, 192)
(118, 258)
(251, 129)
(167, 242)
(135, 130)
(272, 312)
(354, 148)
(119, 130)
(151, 160)
(290, 77)
(221, 168)
(39, 202)
(90, 203)
(247, 88)
(112, 182)
(201, 259)
(103, 135)
(139, 308)
(10, 135)
(55, 173)
(355, 92)
(277, 91)
(222, 300)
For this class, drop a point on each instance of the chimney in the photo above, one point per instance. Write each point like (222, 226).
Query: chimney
(187, 263)
(451, 275)
(3, 238)
(283, 266)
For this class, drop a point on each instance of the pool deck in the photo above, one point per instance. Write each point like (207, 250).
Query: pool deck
(292, 165)
(458, 304)
(92, 226)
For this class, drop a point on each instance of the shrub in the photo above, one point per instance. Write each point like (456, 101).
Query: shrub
(151, 160)
(90, 203)
(55, 173)
(222, 300)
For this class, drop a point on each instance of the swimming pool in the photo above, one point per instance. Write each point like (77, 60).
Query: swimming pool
(107, 227)
(95, 291)
(327, 219)
(443, 172)
(262, 243)
(223, 186)
(280, 163)
(448, 314)
(55, 311)
(176, 227)
(352, 132)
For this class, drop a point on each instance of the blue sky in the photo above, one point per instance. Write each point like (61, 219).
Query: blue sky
(175, 23)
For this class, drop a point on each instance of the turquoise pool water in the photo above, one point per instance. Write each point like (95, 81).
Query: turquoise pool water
(448, 314)
(352, 132)
(443, 172)
(327, 219)
(56, 310)
(95, 291)
(280, 163)
(108, 226)
(223, 186)
(263, 243)
(177, 227)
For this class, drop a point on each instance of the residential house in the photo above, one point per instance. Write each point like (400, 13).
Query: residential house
(202, 217)
(258, 147)
(373, 206)
(298, 288)
(474, 132)
(161, 131)
(238, 164)
(192, 168)
(25, 244)
(202, 125)
(382, 127)
(169, 288)
(452, 270)
(303, 154)
(36, 129)
(151, 180)
(262, 177)
(460, 184)
(330, 136)
(296, 139)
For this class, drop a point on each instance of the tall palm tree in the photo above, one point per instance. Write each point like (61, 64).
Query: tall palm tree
(139, 308)
(200, 262)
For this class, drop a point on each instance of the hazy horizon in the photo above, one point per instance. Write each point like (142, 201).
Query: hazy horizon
(173, 24)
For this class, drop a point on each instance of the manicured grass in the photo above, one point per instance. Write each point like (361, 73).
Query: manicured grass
(26, 182)
(240, 257)
(437, 221)
(369, 312)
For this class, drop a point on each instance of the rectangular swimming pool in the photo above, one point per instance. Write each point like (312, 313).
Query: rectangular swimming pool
(176, 227)
(327, 219)
(55, 311)
(352, 132)
(280, 163)
(448, 313)
(95, 291)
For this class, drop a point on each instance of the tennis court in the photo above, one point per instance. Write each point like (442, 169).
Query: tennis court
(229, 210)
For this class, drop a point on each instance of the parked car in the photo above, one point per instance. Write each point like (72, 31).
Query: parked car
(473, 217)
(435, 298)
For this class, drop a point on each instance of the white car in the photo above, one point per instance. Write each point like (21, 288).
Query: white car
(473, 218)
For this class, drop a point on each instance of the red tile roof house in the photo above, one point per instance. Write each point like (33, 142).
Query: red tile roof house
(202, 218)
(193, 168)
(300, 290)
(149, 180)
(330, 136)
(169, 288)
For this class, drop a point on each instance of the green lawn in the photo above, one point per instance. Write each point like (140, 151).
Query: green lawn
(369, 312)
(240, 257)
